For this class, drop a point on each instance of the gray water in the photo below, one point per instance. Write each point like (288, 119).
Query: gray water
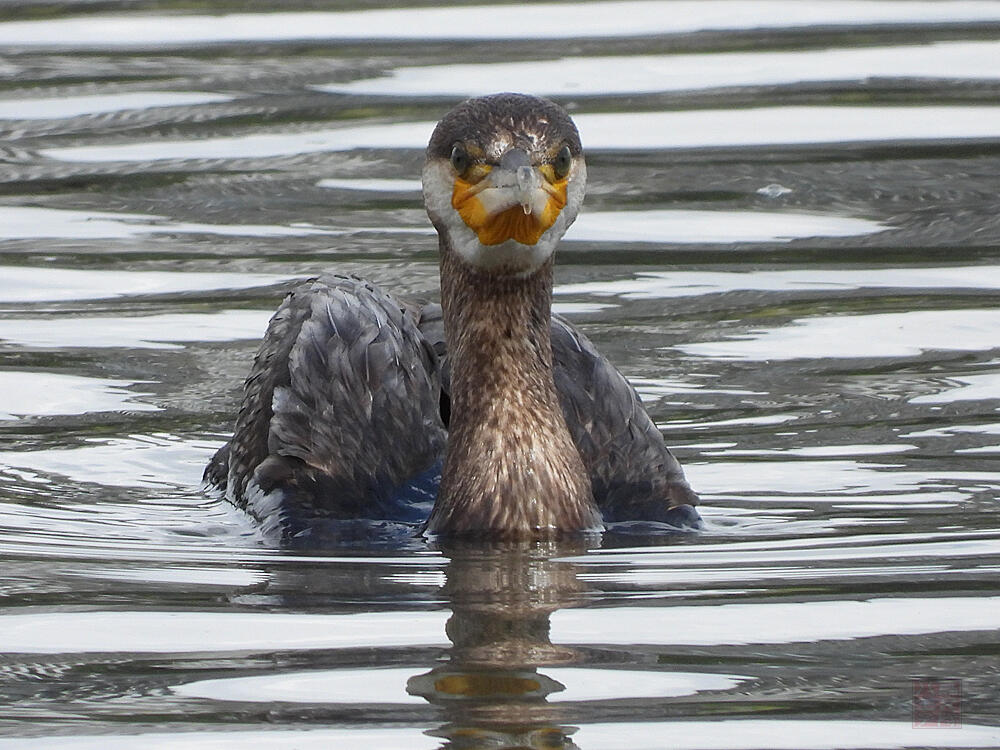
(790, 245)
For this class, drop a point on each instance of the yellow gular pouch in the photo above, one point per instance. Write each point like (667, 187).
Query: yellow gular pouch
(494, 213)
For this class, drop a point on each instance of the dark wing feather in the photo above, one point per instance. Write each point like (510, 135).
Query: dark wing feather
(339, 413)
(633, 473)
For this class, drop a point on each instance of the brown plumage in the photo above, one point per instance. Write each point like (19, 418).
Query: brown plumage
(510, 466)
(355, 397)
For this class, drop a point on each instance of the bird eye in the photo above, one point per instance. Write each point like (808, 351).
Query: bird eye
(459, 158)
(562, 163)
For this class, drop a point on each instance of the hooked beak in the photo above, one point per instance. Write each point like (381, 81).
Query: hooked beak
(518, 176)
(514, 200)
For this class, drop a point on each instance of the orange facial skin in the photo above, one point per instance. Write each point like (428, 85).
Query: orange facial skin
(518, 222)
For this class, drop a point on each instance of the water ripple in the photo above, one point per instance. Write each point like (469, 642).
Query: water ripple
(789, 246)
(647, 74)
(524, 21)
(691, 129)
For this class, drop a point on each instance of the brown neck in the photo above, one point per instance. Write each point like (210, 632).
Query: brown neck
(511, 467)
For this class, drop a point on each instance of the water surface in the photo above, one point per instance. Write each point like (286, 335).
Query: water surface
(790, 245)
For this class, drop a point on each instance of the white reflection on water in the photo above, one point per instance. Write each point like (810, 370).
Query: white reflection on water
(816, 450)
(733, 734)
(974, 388)
(168, 331)
(705, 424)
(651, 389)
(197, 632)
(982, 449)
(658, 578)
(27, 284)
(382, 686)
(577, 308)
(802, 552)
(764, 126)
(698, 227)
(849, 336)
(389, 685)
(215, 576)
(843, 478)
(780, 734)
(601, 226)
(43, 394)
(636, 74)
(775, 622)
(73, 106)
(978, 429)
(371, 184)
(29, 222)
(139, 461)
(308, 739)
(524, 21)
(259, 146)
(666, 284)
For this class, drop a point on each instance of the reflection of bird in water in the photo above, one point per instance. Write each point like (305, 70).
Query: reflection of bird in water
(356, 398)
(493, 690)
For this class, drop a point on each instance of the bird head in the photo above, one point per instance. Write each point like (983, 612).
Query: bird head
(503, 180)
